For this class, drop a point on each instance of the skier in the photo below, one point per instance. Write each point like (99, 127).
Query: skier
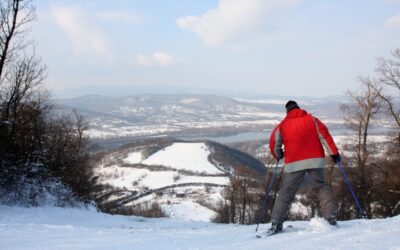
(303, 137)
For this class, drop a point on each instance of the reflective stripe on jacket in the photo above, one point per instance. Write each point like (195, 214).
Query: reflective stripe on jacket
(303, 137)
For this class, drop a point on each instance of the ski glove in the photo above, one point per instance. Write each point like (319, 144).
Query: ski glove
(336, 158)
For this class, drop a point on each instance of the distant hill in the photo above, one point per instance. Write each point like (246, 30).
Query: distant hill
(147, 115)
(169, 173)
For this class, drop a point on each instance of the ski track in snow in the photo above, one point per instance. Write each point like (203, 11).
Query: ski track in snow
(72, 228)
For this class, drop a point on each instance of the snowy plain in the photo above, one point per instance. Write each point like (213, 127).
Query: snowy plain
(73, 228)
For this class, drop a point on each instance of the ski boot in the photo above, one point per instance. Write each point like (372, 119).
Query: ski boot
(275, 228)
(332, 221)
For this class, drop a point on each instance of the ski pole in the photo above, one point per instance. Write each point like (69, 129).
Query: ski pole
(266, 199)
(360, 209)
(277, 187)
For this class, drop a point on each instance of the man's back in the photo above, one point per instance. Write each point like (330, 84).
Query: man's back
(300, 137)
(303, 137)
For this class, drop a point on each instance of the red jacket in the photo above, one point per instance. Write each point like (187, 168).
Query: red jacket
(302, 136)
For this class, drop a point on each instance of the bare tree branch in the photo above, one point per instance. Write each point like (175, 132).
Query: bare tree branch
(15, 15)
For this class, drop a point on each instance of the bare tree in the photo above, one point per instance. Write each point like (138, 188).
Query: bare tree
(242, 198)
(387, 85)
(21, 83)
(358, 115)
(15, 17)
(35, 143)
(21, 74)
(387, 185)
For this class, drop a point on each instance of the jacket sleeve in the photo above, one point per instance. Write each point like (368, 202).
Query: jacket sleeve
(325, 137)
(275, 143)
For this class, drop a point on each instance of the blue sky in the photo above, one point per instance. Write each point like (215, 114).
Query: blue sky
(283, 47)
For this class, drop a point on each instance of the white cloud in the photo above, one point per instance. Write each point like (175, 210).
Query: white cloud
(231, 18)
(123, 16)
(164, 59)
(157, 58)
(143, 60)
(87, 38)
(393, 22)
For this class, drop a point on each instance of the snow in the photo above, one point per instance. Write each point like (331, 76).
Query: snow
(263, 101)
(189, 209)
(96, 131)
(189, 100)
(299, 209)
(184, 156)
(319, 225)
(72, 228)
(148, 178)
(133, 158)
(154, 180)
(281, 102)
(132, 178)
(204, 179)
(341, 140)
(120, 177)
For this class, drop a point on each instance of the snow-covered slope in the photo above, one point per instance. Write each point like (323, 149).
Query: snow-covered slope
(189, 157)
(184, 156)
(171, 174)
(58, 228)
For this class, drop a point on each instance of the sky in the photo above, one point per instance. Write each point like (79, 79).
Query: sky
(277, 47)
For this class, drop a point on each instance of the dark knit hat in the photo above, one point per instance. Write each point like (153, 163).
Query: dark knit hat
(291, 105)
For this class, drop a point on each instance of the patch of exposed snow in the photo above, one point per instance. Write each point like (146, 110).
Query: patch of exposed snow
(133, 158)
(263, 101)
(120, 177)
(159, 179)
(320, 225)
(189, 100)
(299, 209)
(189, 210)
(349, 139)
(144, 199)
(184, 156)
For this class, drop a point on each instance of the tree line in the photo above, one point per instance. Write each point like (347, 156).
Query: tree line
(375, 174)
(39, 145)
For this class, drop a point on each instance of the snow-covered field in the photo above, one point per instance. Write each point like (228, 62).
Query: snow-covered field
(192, 157)
(159, 179)
(188, 211)
(72, 228)
(184, 156)
(134, 178)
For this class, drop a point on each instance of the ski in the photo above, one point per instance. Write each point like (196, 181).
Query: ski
(266, 234)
